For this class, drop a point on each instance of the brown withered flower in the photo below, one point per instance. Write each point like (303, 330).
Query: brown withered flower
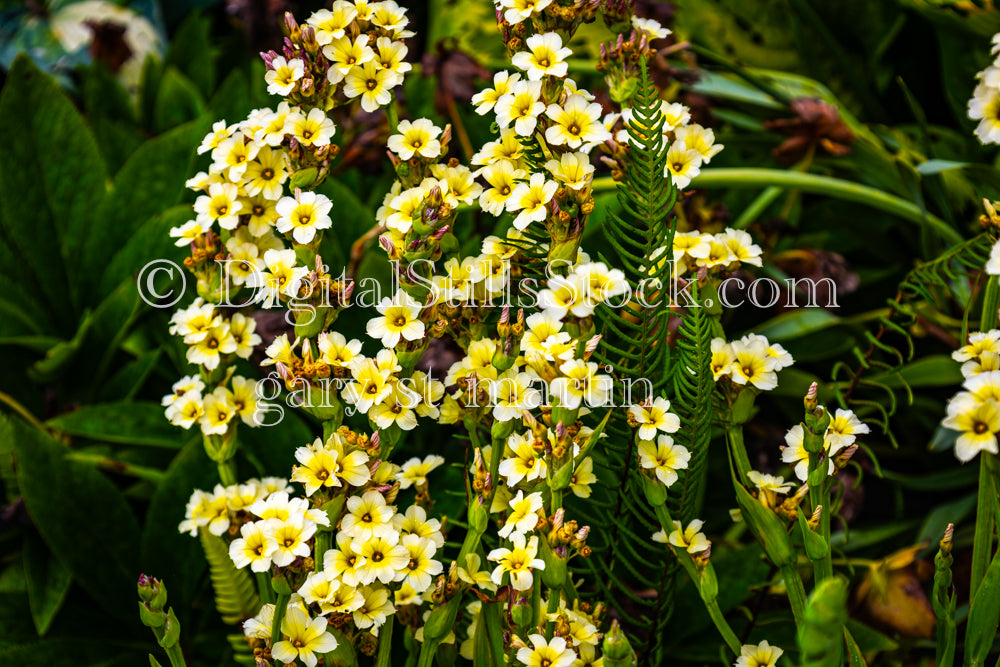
(816, 125)
(108, 45)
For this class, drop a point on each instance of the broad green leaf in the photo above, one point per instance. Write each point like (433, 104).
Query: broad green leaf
(192, 53)
(796, 323)
(150, 183)
(48, 582)
(167, 553)
(177, 101)
(60, 355)
(72, 652)
(111, 115)
(126, 423)
(150, 242)
(130, 378)
(232, 100)
(82, 517)
(51, 185)
(936, 370)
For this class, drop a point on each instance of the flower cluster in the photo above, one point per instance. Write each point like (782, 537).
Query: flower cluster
(975, 412)
(350, 556)
(752, 360)
(214, 342)
(984, 105)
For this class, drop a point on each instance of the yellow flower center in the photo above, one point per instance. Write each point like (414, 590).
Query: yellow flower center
(267, 174)
(980, 428)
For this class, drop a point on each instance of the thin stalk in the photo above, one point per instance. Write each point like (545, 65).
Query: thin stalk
(722, 625)
(176, 656)
(264, 587)
(324, 541)
(121, 467)
(815, 184)
(551, 608)
(280, 607)
(738, 450)
(982, 547)
(11, 402)
(757, 207)
(384, 657)
(796, 592)
(392, 115)
(227, 472)
(711, 604)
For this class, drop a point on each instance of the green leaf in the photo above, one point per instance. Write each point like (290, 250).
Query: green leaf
(937, 166)
(127, 423)
(954, 511)
(232, 100)
(149, 242)
(192, 53)
(48, 582)
(854, 656)
(177, 101)
(869, 641)
(935, 370)
(82, 517)
(150, 183)
(111, 115)
(796, 323)
(165, 551)
(52, 183)
(488, 646)
(984, 616)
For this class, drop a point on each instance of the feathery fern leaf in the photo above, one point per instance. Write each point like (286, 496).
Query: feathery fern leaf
(235, 594)
(634, 344)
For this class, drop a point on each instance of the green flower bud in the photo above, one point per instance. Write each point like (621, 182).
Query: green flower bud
(441, 620)
(171, 631)
(656, 493)
(554, 574)
(616, 648)
(304, 178)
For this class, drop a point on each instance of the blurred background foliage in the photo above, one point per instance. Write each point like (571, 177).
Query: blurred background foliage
(93, 156)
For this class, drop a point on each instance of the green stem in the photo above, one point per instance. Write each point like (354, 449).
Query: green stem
(390, 112)
(227, 472)
(742, 72)
(991, 304)
(738, 451)
(264, 586)
(796, 592)
(11, 402)
(176, 656)
(711, 604)
(982, 547)
(757, 207)
(280, 607)
(114, 465)
(551, 608)
(384, 657)
(324, 542)
(722, 625)
(815, 184)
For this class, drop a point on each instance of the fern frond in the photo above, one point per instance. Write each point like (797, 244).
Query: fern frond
(938, 279)
(235, 593)
(634, 343)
